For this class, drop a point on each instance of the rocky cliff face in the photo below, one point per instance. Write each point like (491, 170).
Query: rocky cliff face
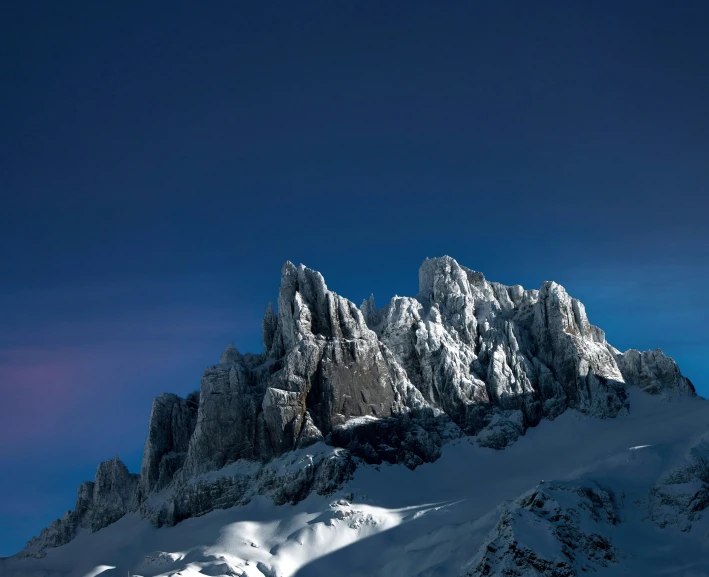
(320, 367)
(172, 423)
(99, 503)
(654, 372)
(478, 350)
(464, 356)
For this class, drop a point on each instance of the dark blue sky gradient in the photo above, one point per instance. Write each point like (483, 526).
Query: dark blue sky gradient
(159, 163)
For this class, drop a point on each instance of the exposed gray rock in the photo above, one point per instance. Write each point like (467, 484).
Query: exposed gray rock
(113, 494)
(268, 328)
(99, 503)
(228, 426)
(330, 356)
(309, 433)
(568, 345)
(322, 365)
(495, 359)
(286, 479)
(172, 422)
(654, 372)
(391, 384)
(411, 438)
(486, 353)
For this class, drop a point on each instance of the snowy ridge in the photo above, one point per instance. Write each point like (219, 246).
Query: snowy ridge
(337, 386)
(555, 529)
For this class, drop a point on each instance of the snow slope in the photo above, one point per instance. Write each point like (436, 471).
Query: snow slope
(474, 511)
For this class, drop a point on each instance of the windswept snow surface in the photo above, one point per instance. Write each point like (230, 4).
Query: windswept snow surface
(394, 522)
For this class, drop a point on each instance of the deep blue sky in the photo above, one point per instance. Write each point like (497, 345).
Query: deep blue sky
(160, 161)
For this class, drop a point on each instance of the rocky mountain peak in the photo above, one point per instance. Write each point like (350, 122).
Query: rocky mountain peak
(230, 355)
(443, 277)
(654, 372)
(99, 503)
(308, 309)
(464, 356)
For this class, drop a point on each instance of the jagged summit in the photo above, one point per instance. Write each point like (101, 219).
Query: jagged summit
(465, 356)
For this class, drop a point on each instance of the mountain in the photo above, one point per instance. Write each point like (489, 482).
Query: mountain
(411, 439)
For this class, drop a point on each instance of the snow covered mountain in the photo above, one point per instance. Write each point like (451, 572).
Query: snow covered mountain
(412, 439)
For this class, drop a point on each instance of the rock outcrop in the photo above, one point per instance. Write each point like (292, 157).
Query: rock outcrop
(654, 372)
(172, 422)
(495, 358)
(321, 366)
(556, 530)
(393, 384)
(285, 479)
(99, 503)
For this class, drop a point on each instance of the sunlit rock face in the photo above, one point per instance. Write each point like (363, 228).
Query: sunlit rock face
(480, 351)
(391, 384)
(493, 359)
(654, 372)
(321, 366)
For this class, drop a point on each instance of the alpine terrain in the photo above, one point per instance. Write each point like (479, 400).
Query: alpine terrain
(472, 430)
